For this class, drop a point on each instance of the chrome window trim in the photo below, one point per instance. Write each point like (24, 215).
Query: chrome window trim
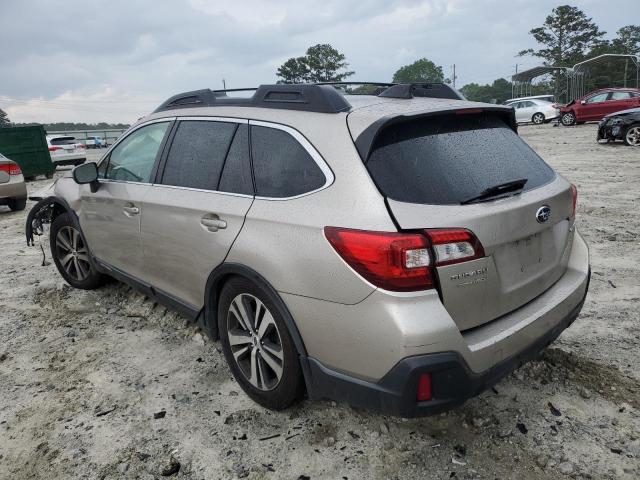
(306, 144)
(213, 119)
(204, 190)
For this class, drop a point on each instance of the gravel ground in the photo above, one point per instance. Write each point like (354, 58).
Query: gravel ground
(107, 384)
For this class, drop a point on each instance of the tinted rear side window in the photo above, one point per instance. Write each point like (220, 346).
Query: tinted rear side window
(447, 160)
(197, 154)
(282, 167)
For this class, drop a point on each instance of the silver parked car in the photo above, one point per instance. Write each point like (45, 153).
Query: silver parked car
(535, 110)
(13, 191)
(400, 251)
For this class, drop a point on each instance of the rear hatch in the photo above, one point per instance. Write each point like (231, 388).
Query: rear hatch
(63, 145)
(433, 171)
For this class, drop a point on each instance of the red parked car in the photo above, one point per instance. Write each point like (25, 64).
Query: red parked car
(595, 105)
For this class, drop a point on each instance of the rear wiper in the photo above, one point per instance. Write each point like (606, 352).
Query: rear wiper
(512, 187)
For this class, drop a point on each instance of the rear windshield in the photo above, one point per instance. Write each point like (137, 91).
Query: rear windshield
(63, 141)
(446, 160)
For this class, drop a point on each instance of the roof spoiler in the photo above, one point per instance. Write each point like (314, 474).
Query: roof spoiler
(366, 140)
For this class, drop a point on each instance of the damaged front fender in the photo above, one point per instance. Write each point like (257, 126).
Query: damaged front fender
(43, 213)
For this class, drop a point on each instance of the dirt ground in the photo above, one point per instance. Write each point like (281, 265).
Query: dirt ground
(106, 384)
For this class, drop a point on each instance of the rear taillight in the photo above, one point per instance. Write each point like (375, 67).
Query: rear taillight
(403, 261)
(454, 245)
(555, 105)
(574, 200)
(54, 148)
(80, 145)
(393, 261)
(10, 168)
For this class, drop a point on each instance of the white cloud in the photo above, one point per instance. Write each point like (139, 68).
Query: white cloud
(120, 58)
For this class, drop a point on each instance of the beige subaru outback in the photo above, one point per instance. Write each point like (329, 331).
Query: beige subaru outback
(400, 251)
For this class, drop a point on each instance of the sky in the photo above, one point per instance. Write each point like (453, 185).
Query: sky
(116, 60)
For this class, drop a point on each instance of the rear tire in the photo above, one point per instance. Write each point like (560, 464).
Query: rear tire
(632, 135)
(71, 255)
(263, 357)
(17, 204)
(568, 119)
(538, 118)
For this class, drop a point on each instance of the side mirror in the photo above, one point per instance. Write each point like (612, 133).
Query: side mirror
(87, 173)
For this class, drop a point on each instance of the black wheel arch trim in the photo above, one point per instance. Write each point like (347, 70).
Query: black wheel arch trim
(215, 281)
(40, 209)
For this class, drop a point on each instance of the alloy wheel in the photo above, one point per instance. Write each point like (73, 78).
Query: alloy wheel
(255, 342)
(538, 118)
(72, 253)
(633, 136)
(568, 119)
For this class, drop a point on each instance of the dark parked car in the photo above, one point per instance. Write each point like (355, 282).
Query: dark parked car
(624, 125)
(595, 105)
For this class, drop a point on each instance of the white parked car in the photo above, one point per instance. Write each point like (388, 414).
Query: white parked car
(66, 150)
(534, 110)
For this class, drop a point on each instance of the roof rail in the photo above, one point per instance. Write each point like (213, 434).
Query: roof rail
(404, 90)
(303, 97)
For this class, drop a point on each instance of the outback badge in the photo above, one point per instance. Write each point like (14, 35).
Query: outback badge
(543, 214)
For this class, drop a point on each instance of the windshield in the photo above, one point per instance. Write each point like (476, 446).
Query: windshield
(446, 160)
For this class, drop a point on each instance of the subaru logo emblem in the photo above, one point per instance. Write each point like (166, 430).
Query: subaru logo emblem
(543, 214)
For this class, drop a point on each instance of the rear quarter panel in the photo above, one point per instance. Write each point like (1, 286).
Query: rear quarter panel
(284, 239)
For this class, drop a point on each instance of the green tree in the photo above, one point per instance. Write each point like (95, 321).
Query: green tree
(627, 41)
(422, 70)
(322, 63)
(566, 36)
(4, 119)
(294, 70)
(497, 92)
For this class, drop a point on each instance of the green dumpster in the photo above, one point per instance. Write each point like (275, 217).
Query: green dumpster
(27, 146)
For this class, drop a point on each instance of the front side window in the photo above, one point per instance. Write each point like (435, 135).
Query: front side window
(598, 98)
(197, 154)
(282, 166)
(132, 160)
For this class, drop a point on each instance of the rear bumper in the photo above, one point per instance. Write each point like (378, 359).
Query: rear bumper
(452, 380)
(13, 189)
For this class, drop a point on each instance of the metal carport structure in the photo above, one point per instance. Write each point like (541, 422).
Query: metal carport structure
(581, 70)
(521, 85)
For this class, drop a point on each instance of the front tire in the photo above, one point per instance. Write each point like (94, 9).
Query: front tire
(17, 204)
(538, 118)
(632, 135)
(71, 255)
(258, 346)
(568, 119)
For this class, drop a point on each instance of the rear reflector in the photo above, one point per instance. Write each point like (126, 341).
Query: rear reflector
(424, 388)
(11, 168)
(574, 200)
(468, 111)
(454, 245)
(392, 261)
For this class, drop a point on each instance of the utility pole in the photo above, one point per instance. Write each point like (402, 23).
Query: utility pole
(224, 84)
(454, 75)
